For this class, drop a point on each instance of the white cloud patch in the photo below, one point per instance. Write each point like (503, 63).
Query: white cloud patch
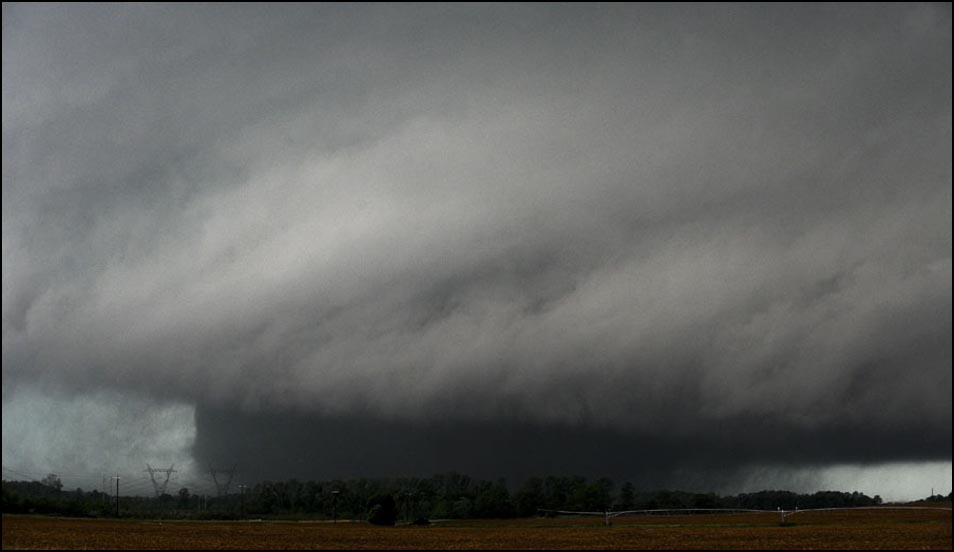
(82, 438)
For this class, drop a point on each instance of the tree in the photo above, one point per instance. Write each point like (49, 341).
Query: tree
(627, 497)
(530, 498)
(703, 501)
(382, 510)
(52, 480)
(598, 495)
(492, 500)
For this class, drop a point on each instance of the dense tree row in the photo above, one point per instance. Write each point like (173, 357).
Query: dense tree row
(451, 495)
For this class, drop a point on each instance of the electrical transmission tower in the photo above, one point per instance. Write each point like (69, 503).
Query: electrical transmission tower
(222, 487)
(160, 486)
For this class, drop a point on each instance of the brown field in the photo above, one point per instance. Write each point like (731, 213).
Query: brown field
(864, 529)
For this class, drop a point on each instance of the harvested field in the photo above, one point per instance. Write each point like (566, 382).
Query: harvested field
(864, 529)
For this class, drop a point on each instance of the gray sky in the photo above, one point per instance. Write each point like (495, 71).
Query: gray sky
(704, 241)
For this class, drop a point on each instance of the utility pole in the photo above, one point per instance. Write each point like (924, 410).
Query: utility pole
(409, 506)
(334, 504)
(242, 499)
(117, 494)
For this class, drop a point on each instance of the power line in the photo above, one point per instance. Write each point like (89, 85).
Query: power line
(30, 474)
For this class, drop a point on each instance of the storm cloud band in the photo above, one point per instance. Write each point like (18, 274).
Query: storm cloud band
(722, 229)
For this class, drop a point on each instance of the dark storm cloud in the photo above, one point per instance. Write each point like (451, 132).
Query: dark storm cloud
(722, 234)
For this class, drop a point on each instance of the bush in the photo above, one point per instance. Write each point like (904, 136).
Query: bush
(382, 510)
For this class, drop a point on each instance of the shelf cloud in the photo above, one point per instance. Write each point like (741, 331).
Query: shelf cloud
(363, 240)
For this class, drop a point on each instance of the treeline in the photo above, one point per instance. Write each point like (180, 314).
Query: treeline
(444, 496)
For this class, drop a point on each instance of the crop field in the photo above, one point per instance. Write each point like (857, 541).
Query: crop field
(862, 529)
